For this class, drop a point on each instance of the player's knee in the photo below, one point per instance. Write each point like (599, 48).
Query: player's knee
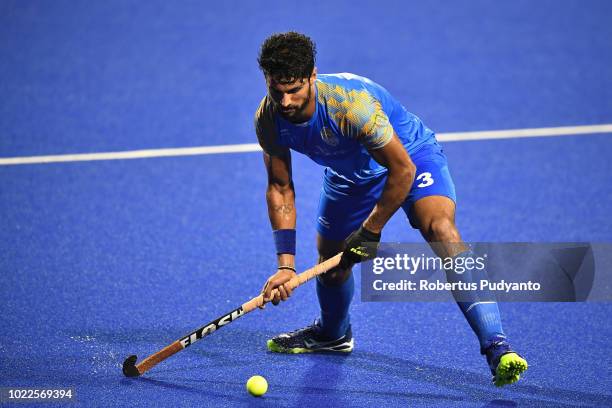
(328, 249)
(335, 277)
(442, 229)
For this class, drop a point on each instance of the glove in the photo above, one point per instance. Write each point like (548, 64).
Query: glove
(356, 251)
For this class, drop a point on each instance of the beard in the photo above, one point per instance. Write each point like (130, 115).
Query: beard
(296, 113)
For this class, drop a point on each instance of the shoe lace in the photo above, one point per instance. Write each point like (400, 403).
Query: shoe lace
(303, 330)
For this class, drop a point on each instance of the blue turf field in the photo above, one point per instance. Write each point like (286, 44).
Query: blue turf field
(99, 260)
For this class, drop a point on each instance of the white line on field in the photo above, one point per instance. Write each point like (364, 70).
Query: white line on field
(254, 147)
(518, 133)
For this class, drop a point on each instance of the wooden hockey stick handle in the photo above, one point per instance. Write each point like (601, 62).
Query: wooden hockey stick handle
(296, 281)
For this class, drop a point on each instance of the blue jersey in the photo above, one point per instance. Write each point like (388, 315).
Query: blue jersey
(353, 115)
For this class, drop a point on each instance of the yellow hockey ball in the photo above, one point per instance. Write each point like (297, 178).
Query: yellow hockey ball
(257, 386)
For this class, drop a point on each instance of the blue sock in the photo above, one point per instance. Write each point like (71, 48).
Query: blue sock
(335, 302)
(479, 308)
(484, 319)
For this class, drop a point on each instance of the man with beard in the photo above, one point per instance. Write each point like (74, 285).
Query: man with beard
(378, 157)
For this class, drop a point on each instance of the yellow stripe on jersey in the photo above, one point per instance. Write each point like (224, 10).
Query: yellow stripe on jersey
(357, 114)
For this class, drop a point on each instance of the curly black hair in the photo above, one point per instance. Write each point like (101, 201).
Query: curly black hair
(287, 56)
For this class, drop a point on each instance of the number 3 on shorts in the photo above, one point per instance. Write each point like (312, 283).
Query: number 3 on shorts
(426, 179)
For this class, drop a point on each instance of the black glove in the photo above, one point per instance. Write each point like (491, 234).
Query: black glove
(356, 251)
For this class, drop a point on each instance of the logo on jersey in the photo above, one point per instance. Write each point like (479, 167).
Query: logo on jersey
(329, 137)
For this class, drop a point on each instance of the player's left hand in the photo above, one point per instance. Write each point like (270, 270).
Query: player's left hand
(356, 251)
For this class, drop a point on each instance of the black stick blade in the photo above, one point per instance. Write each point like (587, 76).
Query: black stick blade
(129, 367)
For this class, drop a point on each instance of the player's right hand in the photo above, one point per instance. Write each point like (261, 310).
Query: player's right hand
(278, 281)
(356, 249)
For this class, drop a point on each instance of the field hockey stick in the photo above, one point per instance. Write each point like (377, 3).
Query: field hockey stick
(131, 369)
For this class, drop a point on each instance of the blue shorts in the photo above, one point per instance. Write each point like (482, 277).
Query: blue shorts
(342, 210)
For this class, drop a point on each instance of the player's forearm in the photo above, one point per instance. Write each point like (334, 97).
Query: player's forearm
(395, 191)
(281, 206)
(281, 210)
